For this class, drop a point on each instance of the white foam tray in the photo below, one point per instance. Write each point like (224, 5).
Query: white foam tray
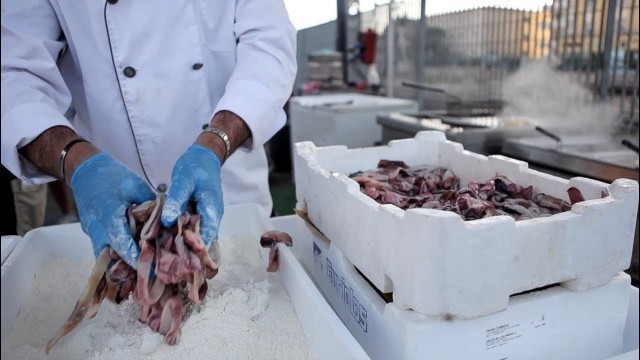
(324, 332)
(554, 323)
(436, 263)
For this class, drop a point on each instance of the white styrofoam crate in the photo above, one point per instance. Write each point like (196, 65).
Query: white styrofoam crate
(436, 263)
(8, 243)
(324, 332)
(342, 119)
(554, 323)
(630, 339)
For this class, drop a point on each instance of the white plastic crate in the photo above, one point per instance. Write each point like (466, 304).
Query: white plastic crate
(554, 323)
(324, 332)
(342, 119)
(436, 263)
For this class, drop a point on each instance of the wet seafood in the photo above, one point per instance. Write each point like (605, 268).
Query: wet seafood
(182, 266)
(394, 182)
(270, 239)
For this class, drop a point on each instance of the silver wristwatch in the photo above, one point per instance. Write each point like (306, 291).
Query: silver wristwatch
(224, 138)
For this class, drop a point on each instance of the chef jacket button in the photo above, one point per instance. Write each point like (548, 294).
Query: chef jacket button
(197, 66)
(112, 2)
(205, 126)
(129, 72)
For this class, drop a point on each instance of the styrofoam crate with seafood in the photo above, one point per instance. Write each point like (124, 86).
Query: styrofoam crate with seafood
(436, 262)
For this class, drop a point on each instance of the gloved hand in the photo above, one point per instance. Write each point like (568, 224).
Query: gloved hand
(104, 189)
(196, 177)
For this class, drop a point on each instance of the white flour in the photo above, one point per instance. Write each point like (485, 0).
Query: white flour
(246, 315)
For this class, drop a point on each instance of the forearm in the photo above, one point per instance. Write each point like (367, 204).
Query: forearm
(232, 125)
(44, 151)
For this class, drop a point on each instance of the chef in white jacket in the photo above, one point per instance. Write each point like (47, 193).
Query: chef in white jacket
(166, 92)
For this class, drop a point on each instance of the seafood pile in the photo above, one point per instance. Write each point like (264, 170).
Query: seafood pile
(182, 265)
(424, 186)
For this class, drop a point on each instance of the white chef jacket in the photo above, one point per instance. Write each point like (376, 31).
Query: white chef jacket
(144, 77)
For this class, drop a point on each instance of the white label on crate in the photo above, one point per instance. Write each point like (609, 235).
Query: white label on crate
(504, 334)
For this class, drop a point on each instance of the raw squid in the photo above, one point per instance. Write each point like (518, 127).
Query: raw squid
(394, 182)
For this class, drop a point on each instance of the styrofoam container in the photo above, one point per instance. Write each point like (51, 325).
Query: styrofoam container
(554, 323)
(436, 263)
(8, 243)
(342, 119)
(324, 332)
(631, 339)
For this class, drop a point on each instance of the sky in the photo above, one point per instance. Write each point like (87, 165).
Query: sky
(307, 13)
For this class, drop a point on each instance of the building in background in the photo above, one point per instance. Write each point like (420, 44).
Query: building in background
(493, 33)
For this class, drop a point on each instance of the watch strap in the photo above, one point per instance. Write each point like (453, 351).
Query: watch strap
(224, 137)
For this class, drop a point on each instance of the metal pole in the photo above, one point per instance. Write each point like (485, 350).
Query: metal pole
(634, 102)
(503, 35)
(552, 31)
(485, 52)
(517, 25)
(534, 19)
(527, 30)
(617, 47)
(627, 62)
(544, 32)
(495, 74)
(566, 32)
(599, 67)
(594, 7)
(422, 28)
(573, 34)
(484, 36)
(584, 28)
(341, 38)
(390, 50)
(503, 47)
(510, 33)
(558, 17)
(608, 41)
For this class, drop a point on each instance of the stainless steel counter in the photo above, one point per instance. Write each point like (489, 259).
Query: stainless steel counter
(597, 155)
(480, 134)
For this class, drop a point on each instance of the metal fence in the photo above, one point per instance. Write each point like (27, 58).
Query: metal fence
(469, 55)
(597, 41)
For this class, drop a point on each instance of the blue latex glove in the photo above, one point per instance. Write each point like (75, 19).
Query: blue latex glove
(104, 189)
(196, 177)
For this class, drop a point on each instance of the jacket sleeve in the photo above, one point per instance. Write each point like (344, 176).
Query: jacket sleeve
(34, 94)
(265, 70)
